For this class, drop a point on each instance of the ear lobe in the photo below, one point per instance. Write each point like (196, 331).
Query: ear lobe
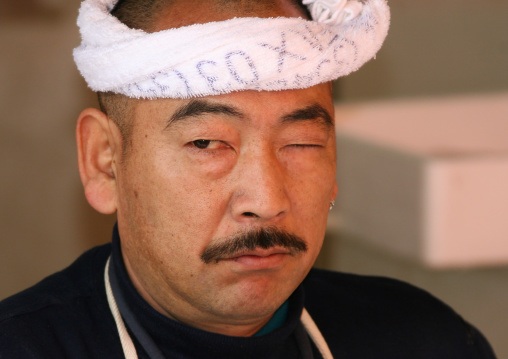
(96, 151)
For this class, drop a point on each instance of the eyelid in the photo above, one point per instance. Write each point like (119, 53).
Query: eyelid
(306, 145)
(316, 140)
(217, 145)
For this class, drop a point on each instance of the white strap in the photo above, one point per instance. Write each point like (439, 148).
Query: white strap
(130, 351)
(315, 335)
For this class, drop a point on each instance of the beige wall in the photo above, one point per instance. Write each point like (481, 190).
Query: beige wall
(435, 47)
(44, 219)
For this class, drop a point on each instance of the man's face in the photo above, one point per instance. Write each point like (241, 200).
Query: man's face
(201, 171)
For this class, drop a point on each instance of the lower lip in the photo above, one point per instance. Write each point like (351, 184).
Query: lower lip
(259, 263)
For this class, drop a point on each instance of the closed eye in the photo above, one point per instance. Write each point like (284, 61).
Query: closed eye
(304, 145)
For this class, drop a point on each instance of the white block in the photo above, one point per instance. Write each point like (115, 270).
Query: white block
(427, 179)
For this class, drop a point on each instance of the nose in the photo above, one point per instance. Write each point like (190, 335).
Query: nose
(261, 195)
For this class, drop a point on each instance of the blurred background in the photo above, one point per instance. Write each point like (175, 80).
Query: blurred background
(423, 154)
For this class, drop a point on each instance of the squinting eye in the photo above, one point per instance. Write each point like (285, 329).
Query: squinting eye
(299, 145)
(201, 144)
(209, 145)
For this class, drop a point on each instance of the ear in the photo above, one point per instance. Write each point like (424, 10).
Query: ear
(335, 190)
(98, 143)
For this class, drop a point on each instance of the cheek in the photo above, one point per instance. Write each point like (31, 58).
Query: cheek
(312, 183)
(175, 201)
(312, 175)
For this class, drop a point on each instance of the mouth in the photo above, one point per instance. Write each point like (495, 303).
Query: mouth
(258, 244)
(258, 259)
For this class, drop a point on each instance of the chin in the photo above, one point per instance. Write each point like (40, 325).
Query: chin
(253, 310)
(264, 295)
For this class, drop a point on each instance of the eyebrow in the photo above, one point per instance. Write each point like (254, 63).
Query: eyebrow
(198, 107)
(314, 112)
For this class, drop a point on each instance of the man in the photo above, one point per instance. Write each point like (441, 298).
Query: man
(215, 147)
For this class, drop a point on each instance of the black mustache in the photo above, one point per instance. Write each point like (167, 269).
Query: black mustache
(265, 238)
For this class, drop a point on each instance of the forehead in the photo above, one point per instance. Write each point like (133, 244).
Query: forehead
(264, 105)
(179, 13)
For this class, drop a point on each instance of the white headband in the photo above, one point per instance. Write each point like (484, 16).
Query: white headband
(232, 55)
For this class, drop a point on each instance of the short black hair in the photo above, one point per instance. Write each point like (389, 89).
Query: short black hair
(141, 14)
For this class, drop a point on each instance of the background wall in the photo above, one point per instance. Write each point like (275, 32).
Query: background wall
(435, 48)
(44, 219)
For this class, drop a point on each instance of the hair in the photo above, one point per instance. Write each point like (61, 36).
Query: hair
(136, 14)
(143, 15)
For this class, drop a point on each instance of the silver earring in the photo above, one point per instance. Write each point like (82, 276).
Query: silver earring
(332, 203)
